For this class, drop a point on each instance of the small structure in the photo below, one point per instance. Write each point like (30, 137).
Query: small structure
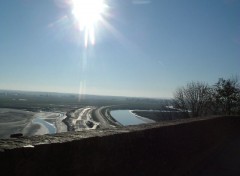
(16, 135)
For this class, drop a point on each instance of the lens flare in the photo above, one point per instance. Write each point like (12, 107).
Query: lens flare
(87, 13)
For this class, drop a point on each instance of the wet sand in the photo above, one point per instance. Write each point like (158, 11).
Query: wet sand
(14, 121)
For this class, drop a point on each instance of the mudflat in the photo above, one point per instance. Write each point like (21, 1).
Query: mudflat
(13, 121)
(28, 123)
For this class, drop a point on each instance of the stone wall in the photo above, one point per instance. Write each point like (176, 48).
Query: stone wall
(171, 148)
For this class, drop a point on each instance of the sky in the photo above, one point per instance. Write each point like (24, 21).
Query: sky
(142, 48)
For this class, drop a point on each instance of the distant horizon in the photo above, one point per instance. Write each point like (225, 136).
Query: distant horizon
(36, 91)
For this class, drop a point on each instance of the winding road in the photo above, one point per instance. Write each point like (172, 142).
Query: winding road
(98, 116)
(90, 117)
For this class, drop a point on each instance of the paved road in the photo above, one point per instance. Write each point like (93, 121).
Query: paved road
(81, 116)
(101, 118)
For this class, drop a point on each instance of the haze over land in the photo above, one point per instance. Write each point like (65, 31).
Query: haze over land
(38, 113)
(144, 49)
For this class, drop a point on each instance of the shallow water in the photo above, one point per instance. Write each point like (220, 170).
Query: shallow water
(51, 128)
(125, 117)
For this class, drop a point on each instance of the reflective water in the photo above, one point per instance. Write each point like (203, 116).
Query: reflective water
(51, 128)
(125, 117)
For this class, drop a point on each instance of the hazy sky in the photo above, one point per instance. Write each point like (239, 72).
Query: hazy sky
(144, 48)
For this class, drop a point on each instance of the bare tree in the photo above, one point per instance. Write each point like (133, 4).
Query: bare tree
(227, 95)
(194, 97)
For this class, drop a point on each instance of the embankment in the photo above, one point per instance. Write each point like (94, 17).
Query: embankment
(184, 147)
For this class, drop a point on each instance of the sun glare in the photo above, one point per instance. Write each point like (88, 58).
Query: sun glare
(87, 13)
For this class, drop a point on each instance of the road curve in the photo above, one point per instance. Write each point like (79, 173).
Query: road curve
(101, 116)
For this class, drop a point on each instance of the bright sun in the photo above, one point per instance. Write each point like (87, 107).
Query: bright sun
(87, 13)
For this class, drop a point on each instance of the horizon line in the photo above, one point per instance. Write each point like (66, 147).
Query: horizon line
(42, 91)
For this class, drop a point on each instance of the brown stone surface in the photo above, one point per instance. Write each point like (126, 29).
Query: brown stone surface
(209, 146)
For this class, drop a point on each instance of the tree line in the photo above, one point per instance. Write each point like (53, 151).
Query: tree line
(200, 99)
